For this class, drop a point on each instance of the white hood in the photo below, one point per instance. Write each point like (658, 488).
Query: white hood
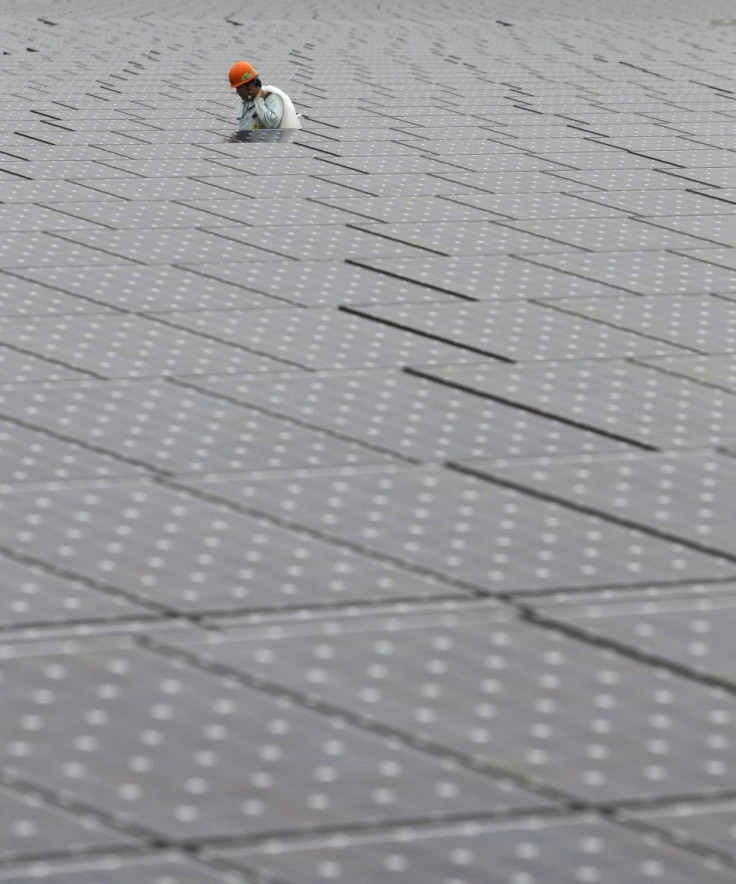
(289, 119)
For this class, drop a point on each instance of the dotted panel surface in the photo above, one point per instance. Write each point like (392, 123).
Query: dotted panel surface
(618, 179)
(17, 366)
(726, 194)
(467, 238)
(691, 632)
(152, 289)
(481, 278)
(379, 146)
(662, 203)
(598, 160)
(24, 297)
(507, 692)
(658, 409)
(518, 332)
(168, 246)
(34, 595)
(121, 869)
(381, 185)
(168, 167)
(542, 850)
(63, 170)
(272, 186)
(29, 456)
(145, 189)
(383, 165)
(326, 243)
(612, 234)
(237, 760)
(717, 371)
(410, 415)
(194, 555)
(121, 214)
(27, 827)
(420, 209)
(506, 182)
(320, 283)
(710, 177)
(136, 347)
(719, 257)
(267, 166)
(647, 273)
(531, 206)
(177, 431)
(500, 162)
(24, 192)
(688, 494)
(699, 322)
(322, 339)
(261, 213)
(30, 217)
(469, 530)
(715, 228)
(708, 824)
(366, 489)
(26, 249)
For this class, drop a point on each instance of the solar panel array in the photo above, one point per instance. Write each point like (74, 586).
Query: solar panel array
(367, 491)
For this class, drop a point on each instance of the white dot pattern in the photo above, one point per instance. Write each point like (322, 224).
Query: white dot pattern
(504, 277)
(194, 555)
(136, 347)
(528, 853)
(661, 202)
(467, 529)
(319, 283)
(708, 823)
(716, 371)
(321, 339)
(177, 431)
(30, 217)
(421, 209)
(30, 456)
(366, 489)
(27, 249)
(265, 213)
(318, 243)
(409, 415)
(32, 595)
(152, 289)
(168, 868)
(695, 632)
(167, 246)
(636, 402)
(519, 331)
(178, 750)
(470, 237)
(611, 234)
(703, 323)
(29, 826)
(501, 691)
(394, 185)
(687, 495)
(646, 273)
(536, 205)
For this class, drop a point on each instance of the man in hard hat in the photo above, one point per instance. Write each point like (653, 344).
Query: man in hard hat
(263, 108)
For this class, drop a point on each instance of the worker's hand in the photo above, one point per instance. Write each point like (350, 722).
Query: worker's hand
(263, 94)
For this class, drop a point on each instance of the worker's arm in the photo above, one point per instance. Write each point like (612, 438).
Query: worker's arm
(270, 110)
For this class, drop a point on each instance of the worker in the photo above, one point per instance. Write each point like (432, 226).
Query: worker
(262, 108)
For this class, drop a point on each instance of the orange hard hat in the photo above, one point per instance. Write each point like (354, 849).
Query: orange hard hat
(241, 72)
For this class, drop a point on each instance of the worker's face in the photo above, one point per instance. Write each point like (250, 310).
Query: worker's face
(248, 90)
